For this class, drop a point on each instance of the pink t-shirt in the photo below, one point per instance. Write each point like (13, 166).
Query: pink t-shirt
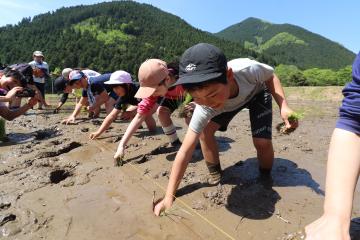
(146, 104)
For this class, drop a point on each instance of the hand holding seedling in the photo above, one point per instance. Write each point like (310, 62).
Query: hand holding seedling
(291, 120)
(162, 205)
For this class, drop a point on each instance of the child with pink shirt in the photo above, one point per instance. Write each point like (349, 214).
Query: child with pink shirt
(156, 77)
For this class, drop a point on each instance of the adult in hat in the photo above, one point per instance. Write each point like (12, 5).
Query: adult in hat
(40, 74)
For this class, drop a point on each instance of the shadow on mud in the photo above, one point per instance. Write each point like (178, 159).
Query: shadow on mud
(253, 196)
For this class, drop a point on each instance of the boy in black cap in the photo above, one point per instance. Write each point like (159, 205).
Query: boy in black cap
(221, 89)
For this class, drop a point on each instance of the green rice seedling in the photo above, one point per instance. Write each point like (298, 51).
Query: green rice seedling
(182, 112)
(294, 117)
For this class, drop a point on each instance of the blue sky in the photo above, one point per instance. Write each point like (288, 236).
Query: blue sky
(333, 19)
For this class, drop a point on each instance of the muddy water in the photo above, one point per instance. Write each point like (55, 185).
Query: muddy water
(57, 184)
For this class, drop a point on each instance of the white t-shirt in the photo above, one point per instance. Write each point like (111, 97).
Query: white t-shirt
(250, 77)
(90, 73)
(44, 66)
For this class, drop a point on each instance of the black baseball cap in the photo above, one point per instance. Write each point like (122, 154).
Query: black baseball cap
(200, 63)
(60, 84)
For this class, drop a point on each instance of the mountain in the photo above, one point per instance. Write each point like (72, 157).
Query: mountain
(288, 44)
(108, 36)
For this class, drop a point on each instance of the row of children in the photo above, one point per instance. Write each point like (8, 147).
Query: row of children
(219, 90)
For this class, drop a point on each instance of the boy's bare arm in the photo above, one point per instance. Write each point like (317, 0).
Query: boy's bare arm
(178, 169)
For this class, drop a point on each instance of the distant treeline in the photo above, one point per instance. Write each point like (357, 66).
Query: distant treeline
(290, 75)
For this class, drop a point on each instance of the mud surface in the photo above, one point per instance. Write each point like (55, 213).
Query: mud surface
(55, 183)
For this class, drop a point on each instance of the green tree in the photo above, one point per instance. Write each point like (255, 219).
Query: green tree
(290, 75)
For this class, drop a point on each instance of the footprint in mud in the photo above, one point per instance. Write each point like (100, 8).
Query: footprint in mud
(166, 148)
(143, 159)
(84, 129)
(46, 133)
(5, 218)
(20, 221)
(63, 149)
(59, 175)
(95, 122)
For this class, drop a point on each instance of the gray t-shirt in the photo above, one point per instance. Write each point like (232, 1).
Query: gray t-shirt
(250, 76)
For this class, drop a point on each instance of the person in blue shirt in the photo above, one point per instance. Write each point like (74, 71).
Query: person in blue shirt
(342, 168)
(94, 93)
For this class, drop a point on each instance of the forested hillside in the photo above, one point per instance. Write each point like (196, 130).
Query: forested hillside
(107, 37)
(289, 44)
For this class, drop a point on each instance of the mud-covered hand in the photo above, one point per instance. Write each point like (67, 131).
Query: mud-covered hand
(94, 135)
(120, 152)
(162, 205)
(69, 120)
(285, 113)
(189, 108)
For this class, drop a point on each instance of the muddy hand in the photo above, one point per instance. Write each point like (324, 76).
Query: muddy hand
(120, 152)
(161, 205)
(94, 135)
(285, 114)
(69, 120)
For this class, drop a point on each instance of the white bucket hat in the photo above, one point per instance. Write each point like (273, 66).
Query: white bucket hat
(65, 72)
(119, 77)
(38, 54)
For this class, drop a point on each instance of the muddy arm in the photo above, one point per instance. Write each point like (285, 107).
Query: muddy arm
(82, 102)
(10, 115)
(276, 90)
(108, 120)
(181, 162)
(133, 126)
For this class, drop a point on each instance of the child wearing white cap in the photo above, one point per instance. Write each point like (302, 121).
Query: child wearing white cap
(125, 88)
(94, 93)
